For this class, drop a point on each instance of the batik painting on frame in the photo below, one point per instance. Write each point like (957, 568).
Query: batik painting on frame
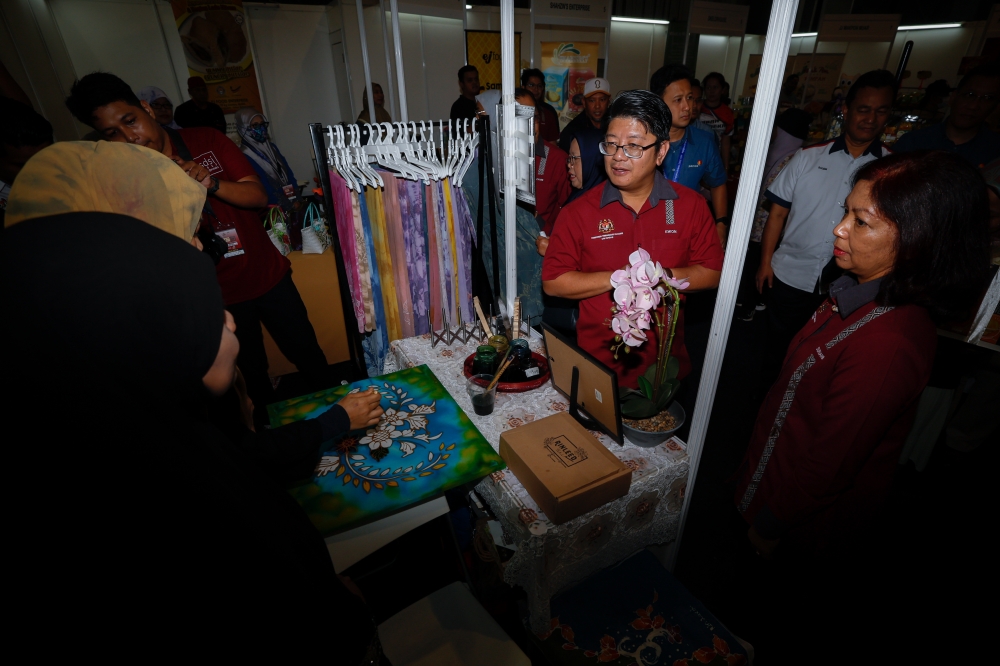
(423, 445)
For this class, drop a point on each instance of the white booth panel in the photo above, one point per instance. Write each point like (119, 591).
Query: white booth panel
(636, 52)
(295, 67)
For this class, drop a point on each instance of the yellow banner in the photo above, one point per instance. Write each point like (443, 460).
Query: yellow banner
(218, 50)
(567, 67)
(482, 51)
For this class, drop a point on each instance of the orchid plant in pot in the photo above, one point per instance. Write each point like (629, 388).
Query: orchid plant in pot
(646, 296)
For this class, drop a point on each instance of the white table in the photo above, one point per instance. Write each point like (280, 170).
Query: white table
(550, 558)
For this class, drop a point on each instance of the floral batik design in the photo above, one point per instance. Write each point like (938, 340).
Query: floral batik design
(423, 445)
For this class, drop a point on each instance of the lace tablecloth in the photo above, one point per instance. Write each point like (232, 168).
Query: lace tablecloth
(550, 558)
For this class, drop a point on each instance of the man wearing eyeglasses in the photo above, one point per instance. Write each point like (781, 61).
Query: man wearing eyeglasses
(637, 207)
(964, 131)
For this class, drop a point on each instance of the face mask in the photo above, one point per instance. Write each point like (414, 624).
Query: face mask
(258, 133)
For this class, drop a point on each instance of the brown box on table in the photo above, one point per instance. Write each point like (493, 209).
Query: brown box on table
(563, 467)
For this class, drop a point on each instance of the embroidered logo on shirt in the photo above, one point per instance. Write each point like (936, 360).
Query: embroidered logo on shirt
(209, 161)
(605, 226)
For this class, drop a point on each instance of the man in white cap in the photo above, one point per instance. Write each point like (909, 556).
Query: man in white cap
(596, 98)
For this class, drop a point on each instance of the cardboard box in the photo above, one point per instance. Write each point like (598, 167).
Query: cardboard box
(563, 467)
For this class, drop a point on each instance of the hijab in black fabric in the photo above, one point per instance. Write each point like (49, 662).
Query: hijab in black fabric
(128, 501)
(592, 160)
(110, 303)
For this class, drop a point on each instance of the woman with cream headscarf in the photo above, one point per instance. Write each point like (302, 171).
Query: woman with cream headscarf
(125, 179)
(271, 166)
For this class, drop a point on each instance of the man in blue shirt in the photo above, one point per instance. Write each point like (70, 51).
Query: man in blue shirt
(964, 131)
(693, 157)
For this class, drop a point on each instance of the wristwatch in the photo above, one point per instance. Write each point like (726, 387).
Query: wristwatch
(719, 220)
(215, 185)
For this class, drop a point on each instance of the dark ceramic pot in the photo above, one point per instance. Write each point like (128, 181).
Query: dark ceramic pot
(651, 439)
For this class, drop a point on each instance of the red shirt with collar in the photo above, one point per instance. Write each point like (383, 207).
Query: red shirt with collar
(255, 272)
(552, 187)
(597, 232)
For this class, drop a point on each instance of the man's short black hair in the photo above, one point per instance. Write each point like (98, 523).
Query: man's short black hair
(666, 75)
(877, 78)
(462, 71)
(695, 83)
(21, 125)
(95, 90)
(989, 69)
(644, 106)
(528, 73)
(523, 92)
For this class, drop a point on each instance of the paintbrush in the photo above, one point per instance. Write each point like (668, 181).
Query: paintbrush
(502, 369)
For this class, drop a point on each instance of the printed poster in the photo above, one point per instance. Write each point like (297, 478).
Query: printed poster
(567, 67)
(824, 77)
(482, 51)
(215, 41)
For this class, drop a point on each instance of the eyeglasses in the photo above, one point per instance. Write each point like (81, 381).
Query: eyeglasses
(632, 151)
(572, 158)
(971, 95)
(162, 106)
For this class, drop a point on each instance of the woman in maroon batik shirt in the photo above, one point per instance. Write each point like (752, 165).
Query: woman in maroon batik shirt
(913, 241)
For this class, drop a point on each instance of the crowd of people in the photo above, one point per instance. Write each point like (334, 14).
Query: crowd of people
(141, 257)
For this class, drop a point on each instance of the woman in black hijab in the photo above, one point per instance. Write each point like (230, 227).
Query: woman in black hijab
(137, 522)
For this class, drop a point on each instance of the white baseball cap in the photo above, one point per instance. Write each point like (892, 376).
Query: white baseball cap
(596, 85)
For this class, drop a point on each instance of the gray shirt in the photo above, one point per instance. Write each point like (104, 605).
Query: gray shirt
(814, 185)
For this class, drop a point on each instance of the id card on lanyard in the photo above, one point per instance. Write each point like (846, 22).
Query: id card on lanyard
(680, 159)
(226, 231)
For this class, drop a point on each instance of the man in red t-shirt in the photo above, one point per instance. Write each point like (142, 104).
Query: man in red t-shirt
(255, 279)
(637, 207)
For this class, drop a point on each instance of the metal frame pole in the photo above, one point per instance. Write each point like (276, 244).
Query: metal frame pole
(364, 58)
(388, 60)
(398, 46)
(736, 77)
(506, 136)
(805, 84)
(779, 33)
(531, 31)
(687, 34)
(607, 44)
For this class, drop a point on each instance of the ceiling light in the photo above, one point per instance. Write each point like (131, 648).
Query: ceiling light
(929, 26)
(804, 34)
(468, 6)
(624, 19)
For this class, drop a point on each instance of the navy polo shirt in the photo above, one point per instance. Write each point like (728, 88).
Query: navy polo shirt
(980, 151)
(702, 160)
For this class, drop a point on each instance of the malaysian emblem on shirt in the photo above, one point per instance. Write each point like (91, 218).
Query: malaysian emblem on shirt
(605, 226)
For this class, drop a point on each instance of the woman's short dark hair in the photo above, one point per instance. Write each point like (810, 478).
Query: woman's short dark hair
(528, 73)
(645, 107)
(939, 205)
(95, 90)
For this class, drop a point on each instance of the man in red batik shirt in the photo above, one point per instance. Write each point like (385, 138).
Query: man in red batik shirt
(637, 207)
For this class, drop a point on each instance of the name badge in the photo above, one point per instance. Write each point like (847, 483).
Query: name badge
(289, 191)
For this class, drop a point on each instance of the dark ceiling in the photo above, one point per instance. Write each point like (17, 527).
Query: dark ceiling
(913, 12)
